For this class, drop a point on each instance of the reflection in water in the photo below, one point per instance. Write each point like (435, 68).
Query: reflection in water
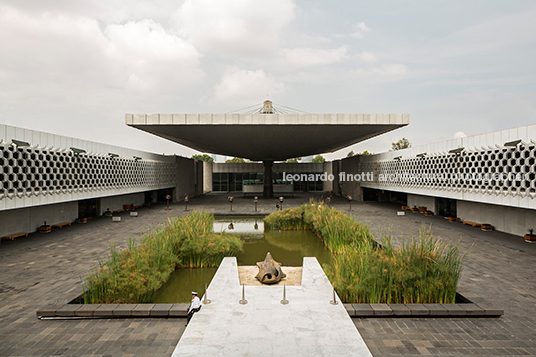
(182, 282)
(287, 247)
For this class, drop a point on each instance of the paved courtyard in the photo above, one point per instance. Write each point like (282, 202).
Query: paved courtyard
(43, 268)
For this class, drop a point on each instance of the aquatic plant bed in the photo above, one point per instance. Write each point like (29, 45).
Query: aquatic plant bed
(363, 269)
(134, 275)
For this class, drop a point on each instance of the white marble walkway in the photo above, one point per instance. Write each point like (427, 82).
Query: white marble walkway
(308, 326)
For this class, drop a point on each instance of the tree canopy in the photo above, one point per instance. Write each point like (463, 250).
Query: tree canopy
(351, 153)
(291, 161)
(235, 160)
(401, 144)
(204, 157)
(318, 158)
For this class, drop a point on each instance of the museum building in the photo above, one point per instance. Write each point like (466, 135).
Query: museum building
(487, 178)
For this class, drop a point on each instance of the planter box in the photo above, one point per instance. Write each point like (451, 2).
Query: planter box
(530, 237)
(453, 219)
(45, 229)
(422, 209)
(486, 227)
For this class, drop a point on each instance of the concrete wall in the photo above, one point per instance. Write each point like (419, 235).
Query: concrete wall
(117, 202)
(29, 219)
(207, 177)
(506, 219)
(335, 165)
(420, 200)
(199, 177)
(55, 174)
(185, 178)
(328, 168)
(480, 154)
(350, 166)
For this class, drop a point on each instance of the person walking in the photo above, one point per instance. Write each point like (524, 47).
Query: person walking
(194, 307)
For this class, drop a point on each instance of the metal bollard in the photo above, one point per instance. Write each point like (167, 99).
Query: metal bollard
(205, 300)
(243, 301)
(334, 301)
(284, 301)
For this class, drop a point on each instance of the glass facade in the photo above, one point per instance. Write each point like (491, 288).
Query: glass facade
(231, 181)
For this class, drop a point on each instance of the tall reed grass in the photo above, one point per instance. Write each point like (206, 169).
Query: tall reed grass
(422, 270)
(134, 274)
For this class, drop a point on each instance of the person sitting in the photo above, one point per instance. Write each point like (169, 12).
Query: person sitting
(194, 307)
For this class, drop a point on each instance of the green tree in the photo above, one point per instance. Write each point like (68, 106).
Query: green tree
(203, 157)
(292, 161)
(318, 158)
(350, 154)
(365, 153)
(401, 144)
(235, 160)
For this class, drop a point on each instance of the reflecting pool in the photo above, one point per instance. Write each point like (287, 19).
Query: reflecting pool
(286, 247)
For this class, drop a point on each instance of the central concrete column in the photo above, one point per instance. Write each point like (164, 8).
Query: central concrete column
(268, 184)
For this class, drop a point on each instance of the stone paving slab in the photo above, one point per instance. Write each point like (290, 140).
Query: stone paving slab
(41, 269)
(307, 326)
(123, 310)
(87, 310)
(142, 310)
(161, 309)
(68, 310)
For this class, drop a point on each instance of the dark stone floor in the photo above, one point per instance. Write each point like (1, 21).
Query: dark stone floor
(43, 268)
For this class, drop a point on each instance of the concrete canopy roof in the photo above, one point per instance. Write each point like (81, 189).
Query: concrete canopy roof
(262, 137)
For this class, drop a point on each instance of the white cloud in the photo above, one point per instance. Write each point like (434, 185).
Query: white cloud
(241, 87)
(235, 27)
(311, 56)
(366, 56)
(459, 135)
(392, 70)
(54, 50)
(151, 56)
(362, 29)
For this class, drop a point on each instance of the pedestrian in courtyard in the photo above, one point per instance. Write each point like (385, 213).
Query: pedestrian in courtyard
(194, 307)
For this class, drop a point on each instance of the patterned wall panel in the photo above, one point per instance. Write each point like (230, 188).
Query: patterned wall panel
(508, 171)
(34, 171)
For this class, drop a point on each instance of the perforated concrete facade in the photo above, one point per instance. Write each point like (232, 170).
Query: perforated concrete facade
(47, 171)
(484, 171)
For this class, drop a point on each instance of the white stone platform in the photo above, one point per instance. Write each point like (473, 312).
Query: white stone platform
(308, 326)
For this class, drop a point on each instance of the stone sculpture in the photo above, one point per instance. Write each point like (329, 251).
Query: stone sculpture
(269, 271)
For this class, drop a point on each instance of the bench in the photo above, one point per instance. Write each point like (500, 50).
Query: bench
(16, 235)
(61, 225)
(119, 210)
(471, 224)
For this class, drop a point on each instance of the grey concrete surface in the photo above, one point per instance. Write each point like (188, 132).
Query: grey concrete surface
(45, 268)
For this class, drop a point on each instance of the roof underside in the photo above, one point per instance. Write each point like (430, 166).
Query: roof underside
(267, 136)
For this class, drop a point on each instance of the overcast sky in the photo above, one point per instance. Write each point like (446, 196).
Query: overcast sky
(75, 68)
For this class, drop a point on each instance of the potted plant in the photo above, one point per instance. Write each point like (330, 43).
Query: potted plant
(530, 237)
(486, 227)
(45, 228)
